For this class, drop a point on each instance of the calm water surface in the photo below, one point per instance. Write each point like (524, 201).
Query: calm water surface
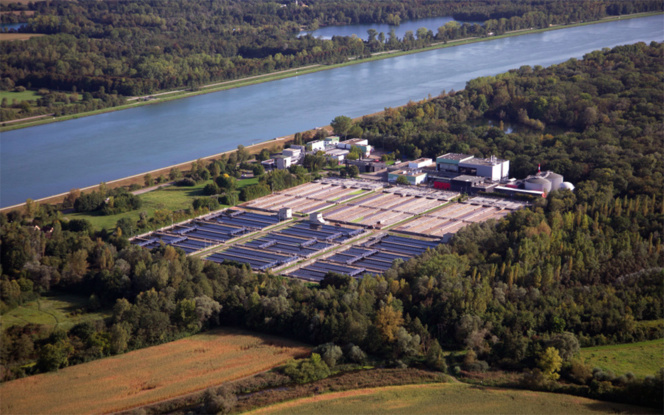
(45, 160)
(10, 26)
(360, 30)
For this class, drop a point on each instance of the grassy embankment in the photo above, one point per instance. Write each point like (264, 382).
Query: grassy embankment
(148, 375)
(642, 358)
(220, 86)
(170, 197)
(63, 311)
(446, 398)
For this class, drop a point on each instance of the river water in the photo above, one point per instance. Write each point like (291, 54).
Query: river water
(45, 160)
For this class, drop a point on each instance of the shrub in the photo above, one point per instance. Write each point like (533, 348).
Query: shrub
(356, 355)
(253, 192)
(206, 202)
(330, 353)
(307, 370)
(211, 189)
(186, 182)
(89, 202)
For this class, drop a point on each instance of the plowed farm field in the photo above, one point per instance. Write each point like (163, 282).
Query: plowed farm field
(148, 375)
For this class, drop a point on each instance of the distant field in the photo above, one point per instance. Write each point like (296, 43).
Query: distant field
(60, 310)
(18, 36)
(148, 375)
(642, 359)
(18, 96)
(445, 398)
(171, 198)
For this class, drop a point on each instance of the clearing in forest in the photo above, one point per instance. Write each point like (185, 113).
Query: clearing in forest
(148, 375)
(445, 398)
(642, 358)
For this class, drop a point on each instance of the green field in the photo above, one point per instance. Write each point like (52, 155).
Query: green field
(171, 198)
(63, 311)
(445, 398)
(642, 359)
(19, 96)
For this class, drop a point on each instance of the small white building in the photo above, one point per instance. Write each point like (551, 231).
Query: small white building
(336, 154)
(420, 163)
(348, 144)
(302, 149)
(293, 153)
(318, 145)
(283, 162)
(360, 143)
(414, 177)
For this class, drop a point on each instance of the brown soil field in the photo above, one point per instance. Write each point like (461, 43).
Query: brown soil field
(17, 12)
(148, 375)
(18, 36)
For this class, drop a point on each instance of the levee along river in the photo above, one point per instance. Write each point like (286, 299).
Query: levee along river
(41, 161)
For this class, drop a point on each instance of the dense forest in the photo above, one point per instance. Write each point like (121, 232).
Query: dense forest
(579, 269)
(104, 51)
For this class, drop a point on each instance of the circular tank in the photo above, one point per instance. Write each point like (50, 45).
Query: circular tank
(538, 184)
(555, 179)
(567, 185)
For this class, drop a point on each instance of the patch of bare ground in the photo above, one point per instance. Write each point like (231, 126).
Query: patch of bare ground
(18, 36)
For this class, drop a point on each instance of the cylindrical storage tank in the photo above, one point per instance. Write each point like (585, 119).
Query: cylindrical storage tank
(555, 179)
(538, 184)
(567, 185)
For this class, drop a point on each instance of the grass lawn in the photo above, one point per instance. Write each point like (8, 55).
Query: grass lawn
(148, 375)
(642, 358)
(445, 398)
(60, 310)
(170, 197)
(26, 95)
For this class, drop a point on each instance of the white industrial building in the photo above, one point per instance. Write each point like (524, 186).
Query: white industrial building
(492, 168)
(293, 153)
(336, 154)
(420, 163)
(282, 162)
(316, 145)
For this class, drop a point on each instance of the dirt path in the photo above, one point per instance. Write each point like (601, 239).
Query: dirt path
(28, 118)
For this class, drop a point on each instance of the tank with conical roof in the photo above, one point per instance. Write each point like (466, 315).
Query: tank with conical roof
(537, 184)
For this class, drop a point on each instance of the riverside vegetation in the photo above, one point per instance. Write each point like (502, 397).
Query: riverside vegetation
(96, 54)
(523, 294)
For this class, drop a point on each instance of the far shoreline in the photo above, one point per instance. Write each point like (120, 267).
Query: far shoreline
(169, 95)
(277, 142)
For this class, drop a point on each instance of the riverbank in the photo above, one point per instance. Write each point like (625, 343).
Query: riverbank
(165, 96)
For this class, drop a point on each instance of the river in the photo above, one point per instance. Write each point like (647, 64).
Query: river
(45, 160)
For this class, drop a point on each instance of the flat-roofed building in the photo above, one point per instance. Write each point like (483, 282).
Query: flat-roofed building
(318, 145)
(331, 141)
(450, 162)
(362, 144)
(420, 163)
(367, 165)
(336, 154)
(492, 168)
(293, 153)
(282, 162)
(414, 177)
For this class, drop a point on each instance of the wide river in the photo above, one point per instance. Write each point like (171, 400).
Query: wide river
(41, 161)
